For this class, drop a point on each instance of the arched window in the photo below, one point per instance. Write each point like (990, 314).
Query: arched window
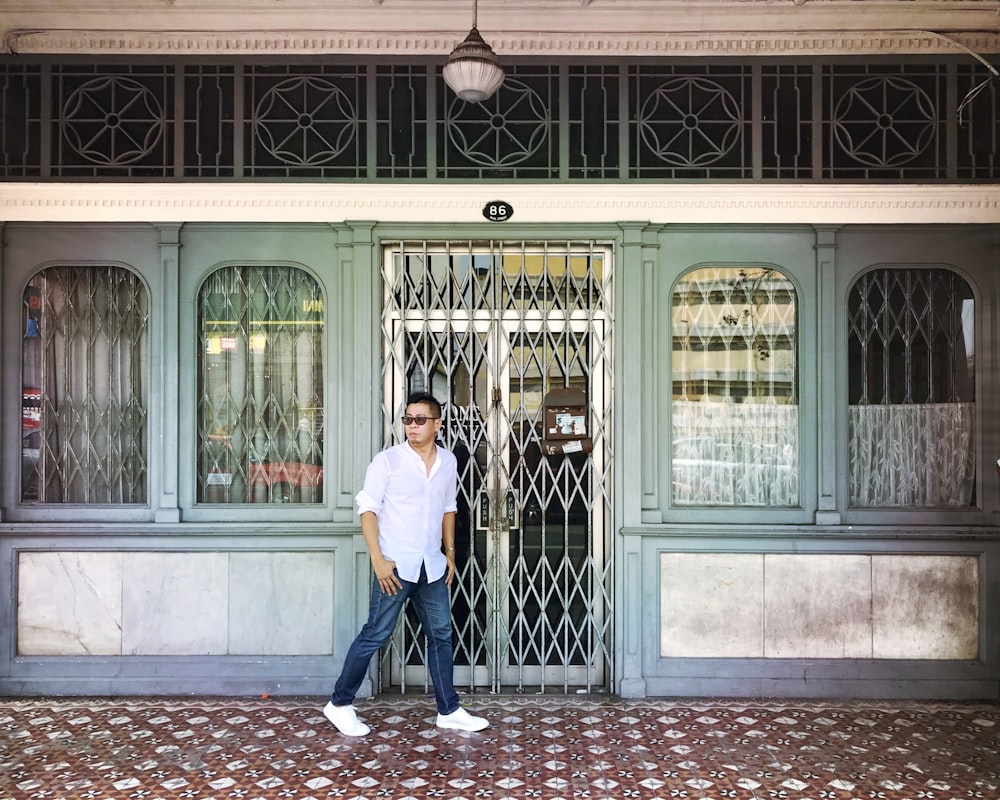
(912, 414)
(735, 418)
(85, 386)
(260, 386)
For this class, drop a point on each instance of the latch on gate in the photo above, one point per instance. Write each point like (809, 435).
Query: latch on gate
(566, 423)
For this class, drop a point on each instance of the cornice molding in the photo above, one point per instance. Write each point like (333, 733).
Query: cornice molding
(621, 45)
(532, 203)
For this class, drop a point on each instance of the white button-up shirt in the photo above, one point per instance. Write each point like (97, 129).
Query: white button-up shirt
(410, 505)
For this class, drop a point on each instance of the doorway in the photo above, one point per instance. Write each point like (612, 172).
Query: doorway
(491, 328)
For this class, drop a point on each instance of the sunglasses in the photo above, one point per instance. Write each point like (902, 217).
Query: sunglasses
(418, 420)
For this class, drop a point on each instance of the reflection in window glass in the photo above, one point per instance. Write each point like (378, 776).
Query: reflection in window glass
(912, 414)
(735, 422)
(84, 390)
(260, 390)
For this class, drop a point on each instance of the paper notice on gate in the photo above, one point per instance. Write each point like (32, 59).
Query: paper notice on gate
(564, 447)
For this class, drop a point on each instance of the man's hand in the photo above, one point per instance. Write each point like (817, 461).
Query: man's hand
(385, 574)
(450, 574)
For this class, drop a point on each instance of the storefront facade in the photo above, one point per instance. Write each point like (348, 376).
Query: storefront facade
(716, 340)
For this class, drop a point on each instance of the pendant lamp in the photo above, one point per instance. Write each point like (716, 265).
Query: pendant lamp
(473, 71)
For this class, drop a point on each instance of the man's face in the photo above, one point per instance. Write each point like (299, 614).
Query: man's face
(421, 434)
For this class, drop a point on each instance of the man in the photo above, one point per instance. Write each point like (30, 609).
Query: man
(407, 509)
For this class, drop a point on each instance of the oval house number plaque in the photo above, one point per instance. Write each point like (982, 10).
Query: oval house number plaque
(498, 211)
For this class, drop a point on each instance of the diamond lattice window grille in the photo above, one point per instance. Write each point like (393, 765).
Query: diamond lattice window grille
(260, 395)
(911, 388)
(85, 387)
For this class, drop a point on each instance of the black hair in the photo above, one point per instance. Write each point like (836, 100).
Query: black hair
(427, 399)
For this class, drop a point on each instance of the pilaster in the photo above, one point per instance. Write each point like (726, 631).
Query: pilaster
(4, 349)
(635, 453)
(166, 294)
(826, 354)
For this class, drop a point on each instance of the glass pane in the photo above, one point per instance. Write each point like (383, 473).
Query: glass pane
(735, 421)
(912, 415)
(260, 389)
(85, 370)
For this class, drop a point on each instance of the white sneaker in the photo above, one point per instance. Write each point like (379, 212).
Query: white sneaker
(461, 720)
(345, 720)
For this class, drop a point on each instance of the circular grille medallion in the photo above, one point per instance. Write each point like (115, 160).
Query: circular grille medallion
(305, 121)
(113, 121)
(690, 122)
(504, 132)
(884, 122)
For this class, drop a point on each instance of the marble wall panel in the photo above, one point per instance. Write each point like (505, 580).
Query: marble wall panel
(281, 603)
(175, 604)
(817, 606)
(69, 604)
(711, 605)
(926, 606)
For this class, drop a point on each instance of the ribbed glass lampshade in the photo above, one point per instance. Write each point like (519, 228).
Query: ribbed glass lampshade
(473, 71)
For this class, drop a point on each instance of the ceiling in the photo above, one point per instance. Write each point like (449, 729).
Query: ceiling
(512, 27)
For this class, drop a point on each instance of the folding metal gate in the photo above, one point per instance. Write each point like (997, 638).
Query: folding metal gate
(490, 328)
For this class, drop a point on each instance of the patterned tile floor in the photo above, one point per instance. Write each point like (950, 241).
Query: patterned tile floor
(541, 747)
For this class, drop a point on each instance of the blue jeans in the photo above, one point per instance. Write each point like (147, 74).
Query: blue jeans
(432, 605)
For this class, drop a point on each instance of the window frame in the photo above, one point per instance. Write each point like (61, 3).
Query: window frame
(32, 511)
(798, 275)
(193, 510)
(909, 515)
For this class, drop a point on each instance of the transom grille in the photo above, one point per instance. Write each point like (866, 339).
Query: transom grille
(725, 120)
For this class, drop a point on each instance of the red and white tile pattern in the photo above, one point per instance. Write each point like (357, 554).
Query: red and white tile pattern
(543, 747)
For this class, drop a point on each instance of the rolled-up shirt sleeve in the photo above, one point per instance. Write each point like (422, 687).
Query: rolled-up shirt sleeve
(372, 495)
(366, 503)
